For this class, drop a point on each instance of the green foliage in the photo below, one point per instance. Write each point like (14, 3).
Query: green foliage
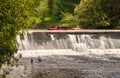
(51, 11)
(69, 20)
(67, 5)
(14, 16)
(64, 6)
(91, 15)
(39, 14)
(98, 13)
(87, 13)
(112, 9)
(62, 11)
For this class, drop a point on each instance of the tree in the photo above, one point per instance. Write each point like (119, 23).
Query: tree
(50, 12)
(58, 7)
(98, 13)
(68, 5)
(66, 12)
(91, 15)
(42, 10)
(112, 9)
(14, 16)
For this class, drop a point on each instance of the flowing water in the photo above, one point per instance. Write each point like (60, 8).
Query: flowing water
(77, 42)
(68, 55)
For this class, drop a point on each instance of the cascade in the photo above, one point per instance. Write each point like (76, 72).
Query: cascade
(74, 41)
(96, 52)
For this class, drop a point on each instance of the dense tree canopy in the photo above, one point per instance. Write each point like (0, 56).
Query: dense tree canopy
(87, 13)
(41, 10)
(112, 9)
(14, 16)
(98, 13)
(55, 10)
(90, 14)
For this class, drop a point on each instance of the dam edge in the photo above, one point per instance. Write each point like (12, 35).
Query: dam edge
(73, 31)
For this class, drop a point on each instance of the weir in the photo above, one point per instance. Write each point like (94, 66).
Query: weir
(68, 54)
(76, 40)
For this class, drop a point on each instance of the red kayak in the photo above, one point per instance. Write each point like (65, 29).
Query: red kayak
(57, 28)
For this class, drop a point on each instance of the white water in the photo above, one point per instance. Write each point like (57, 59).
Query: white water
(75, 42)
(95, 46)
(67, 44)
(100, 52)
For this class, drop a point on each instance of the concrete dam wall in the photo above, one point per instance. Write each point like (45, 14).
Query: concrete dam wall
(77, 40)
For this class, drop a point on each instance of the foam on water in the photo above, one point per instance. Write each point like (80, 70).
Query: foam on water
(99, 52)
(38, 43)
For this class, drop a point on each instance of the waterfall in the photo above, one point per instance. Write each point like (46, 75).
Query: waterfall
(76, 42)
(97, 53)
